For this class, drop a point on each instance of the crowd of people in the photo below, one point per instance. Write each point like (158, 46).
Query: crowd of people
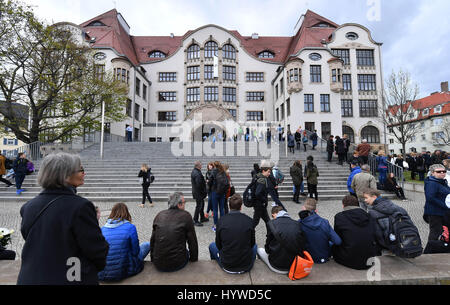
(365, 228)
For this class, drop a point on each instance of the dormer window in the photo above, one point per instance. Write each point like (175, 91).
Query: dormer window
(322, 25)
(438, 109)
(96, 23)
(426, 112)
(266, 54)
(156, 54)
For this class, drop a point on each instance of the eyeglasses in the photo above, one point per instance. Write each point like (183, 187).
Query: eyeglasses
(441, 172)
(81, 171)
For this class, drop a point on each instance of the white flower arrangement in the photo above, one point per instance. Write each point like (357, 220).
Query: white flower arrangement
(5, 237)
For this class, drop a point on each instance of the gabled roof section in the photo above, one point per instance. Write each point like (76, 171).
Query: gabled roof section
(111, 35)
(309, 35)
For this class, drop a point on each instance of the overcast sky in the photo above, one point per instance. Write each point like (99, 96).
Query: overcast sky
(415, 34)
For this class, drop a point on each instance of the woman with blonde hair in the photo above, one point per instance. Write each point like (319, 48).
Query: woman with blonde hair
(125, 256)
(382, 166)
(146, 179)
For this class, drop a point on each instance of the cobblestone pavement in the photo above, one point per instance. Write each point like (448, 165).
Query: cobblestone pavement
(143, 219)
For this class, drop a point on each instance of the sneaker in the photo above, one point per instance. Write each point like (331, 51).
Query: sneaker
(142, 205)
(18, 192)
(214, 229)
(198, 224)
(151, 204)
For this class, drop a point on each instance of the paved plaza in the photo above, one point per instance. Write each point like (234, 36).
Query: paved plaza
(143, 219)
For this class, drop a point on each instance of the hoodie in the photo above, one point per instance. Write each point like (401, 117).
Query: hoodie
(357, 232)
(320, 236)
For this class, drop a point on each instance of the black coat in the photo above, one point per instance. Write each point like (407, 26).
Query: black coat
(235, 238)
(340, 149)
(291, 235)
(198, 184)
(330, 146)
(67, 229)
(347, 143)
(20, 166)
(357, 231)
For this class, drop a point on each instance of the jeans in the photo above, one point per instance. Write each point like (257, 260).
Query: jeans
(218, 202)
(214, 254)
(145, 250)
(383, 175)
(19, 180)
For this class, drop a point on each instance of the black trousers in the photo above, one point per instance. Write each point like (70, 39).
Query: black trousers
(312, 190)
(330, 156)
(297, 192)
(260, 212)
(199, 210)
(4, 180)
(7, 255)
(19, 180)
(399, 192)
(145, 193)
(341, 158)
(435, 223)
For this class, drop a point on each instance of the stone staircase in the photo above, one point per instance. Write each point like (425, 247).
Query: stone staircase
(115, 177)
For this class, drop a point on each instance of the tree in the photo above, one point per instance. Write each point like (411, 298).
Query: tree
(51, 70)
(443, 137)
(399, 113)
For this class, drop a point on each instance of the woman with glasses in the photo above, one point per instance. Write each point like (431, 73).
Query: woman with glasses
(437, 204)
(63, 241)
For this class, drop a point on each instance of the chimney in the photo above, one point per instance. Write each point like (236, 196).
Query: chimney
(444, 86)
(172, 35)
(255, 36)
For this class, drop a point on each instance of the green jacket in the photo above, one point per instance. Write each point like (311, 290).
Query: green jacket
(296, 174)
(312, 174)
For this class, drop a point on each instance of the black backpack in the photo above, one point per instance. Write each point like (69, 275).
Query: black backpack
(8, 163)
(404, 238)
(249, 197)
(222, 183)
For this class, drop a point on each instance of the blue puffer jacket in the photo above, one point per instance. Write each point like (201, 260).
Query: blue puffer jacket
(436, 192)
(320, 236)
(123, 255)
(355, 171)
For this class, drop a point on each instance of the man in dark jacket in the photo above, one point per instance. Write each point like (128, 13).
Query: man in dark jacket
(199, 194)
(285, 240)
(340, 150)
(297, 179)
(261, 192)
(235, 248)
(347, 144)
(357, 231)
(330, 148)
(320, 236)
(298, 138)
(20, 171)
(437, 200)
(172, 228)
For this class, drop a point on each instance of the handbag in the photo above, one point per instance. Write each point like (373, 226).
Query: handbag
(301, 267)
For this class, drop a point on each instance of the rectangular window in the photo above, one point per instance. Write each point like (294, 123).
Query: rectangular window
(137, 109)
(169, 96)
(257, 96)
(167, 116)
(138, 87)
(276, 92)
(343, 54)
(193, 73)
(255, 76)
(282, 86)
(294, 75)
(193, 94)
(229, 95)
(211, 94)
(288, 107)
(365, 58)
(167, 77)
(122, 75)
(254, 115)
(316, 74)
(99, 71)
(347, 82)
(232, 112)
(144, 116)
(144, 92)
(209, 72)
(229, 73)
(347, 108)
(367, 82)
(325, 103)
(278, 114)
(391, 141)
(128, 107)
(309, 102)
(368, 108)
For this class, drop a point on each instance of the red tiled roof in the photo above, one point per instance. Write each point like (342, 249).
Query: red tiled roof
(136, 48)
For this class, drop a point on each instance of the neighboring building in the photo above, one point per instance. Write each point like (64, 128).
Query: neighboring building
(8, 141)
(326, 77)
(431, 115)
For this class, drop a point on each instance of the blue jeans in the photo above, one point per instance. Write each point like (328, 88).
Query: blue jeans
(209, 203)
(145, 250)
(214, 254)
(218, 202)
(302, 188)
(383, 175)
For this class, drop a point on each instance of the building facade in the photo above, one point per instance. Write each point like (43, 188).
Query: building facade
(327, 77)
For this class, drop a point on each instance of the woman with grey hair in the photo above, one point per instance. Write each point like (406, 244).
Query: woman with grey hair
(63, 241)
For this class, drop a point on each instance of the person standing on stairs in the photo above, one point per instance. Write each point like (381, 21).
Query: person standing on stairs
(146, 179)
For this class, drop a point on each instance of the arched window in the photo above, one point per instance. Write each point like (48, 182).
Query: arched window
(211, 49)
(193, 52)
(349, 132)
(156, 54)
(229, 52)
(96, 23)
(266, 54)
(371, 134)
